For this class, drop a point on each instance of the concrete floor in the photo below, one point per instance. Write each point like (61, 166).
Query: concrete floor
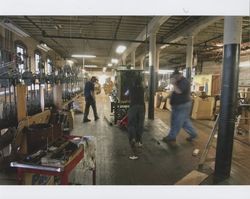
(159, 163)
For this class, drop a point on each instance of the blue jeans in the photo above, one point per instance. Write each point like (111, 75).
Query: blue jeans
(180, 118)
(89, 102)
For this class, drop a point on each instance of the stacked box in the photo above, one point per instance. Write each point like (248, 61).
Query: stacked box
(203, 108)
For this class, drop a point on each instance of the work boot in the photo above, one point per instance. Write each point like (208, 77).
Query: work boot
(97, 118)
(86, 120)
(191, 138)
(168, 139)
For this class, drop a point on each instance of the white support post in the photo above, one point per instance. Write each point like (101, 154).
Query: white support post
(142, 63)
(133, 59)
(189, 57)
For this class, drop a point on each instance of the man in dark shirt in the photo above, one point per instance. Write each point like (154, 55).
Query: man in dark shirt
(181, 106)
(90, 99)
(136, 114)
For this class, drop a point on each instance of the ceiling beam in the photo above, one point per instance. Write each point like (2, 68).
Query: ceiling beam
(117, 27)
(91, 38)
(193, 29)
(113, 46)
(138, 42)
(152, 26)
(43, 32)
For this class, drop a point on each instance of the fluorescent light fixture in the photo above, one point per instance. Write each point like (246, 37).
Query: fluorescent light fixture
(164, 46)
(43, 47)
(165, 71)
(161, 71)
(58, 26)
(90, 66)
(219, 44)
(8, 24)
(70, 62)
(245, 64)
(83, 56)
(110, 64)
(114, 61)
(120, 49)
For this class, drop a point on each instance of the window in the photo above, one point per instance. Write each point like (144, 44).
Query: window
(48, 70)
(21, 59)
(37, 60)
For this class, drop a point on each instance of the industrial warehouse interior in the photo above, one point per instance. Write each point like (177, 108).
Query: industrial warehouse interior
(48, 61)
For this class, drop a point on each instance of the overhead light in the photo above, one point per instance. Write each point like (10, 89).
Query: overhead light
(83, 56)
(58, 26)
(110, 64)
(114, 61)
(90, 66)
(8, 24)
(120, 49)
(245, 64)
(219, 44)
(164, 46)
(43, 47)
(70, 62)
(165, 71)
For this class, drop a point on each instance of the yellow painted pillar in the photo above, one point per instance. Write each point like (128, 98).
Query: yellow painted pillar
(57, 96)
(21, 102)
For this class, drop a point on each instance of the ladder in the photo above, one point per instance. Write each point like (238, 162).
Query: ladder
(209, 143)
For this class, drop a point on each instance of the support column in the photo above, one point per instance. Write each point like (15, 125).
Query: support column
(152, 65)
(189, 57)
(21, 93)
(42, 97)
(133, 59)
(229, 89)
(123, 60)
(83, 63)
(142, 63)
(157, 67)
(57, 96)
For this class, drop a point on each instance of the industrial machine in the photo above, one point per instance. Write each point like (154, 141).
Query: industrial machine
(119, 100)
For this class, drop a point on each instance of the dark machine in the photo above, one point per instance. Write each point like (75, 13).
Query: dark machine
(119, 99)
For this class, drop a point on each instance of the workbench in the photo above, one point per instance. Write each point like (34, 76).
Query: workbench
(61, 171)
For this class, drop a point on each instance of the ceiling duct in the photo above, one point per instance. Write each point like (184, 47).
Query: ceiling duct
(9, 25)
(43, 47)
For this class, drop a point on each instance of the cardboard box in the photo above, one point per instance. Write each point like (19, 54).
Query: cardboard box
(203, 108)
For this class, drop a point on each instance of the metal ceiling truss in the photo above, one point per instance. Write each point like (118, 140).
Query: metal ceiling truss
(103, 33)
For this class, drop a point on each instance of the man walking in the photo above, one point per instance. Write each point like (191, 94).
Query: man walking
(89, 95)
(181, 106)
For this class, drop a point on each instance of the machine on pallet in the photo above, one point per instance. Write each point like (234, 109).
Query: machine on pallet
(119, 100)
